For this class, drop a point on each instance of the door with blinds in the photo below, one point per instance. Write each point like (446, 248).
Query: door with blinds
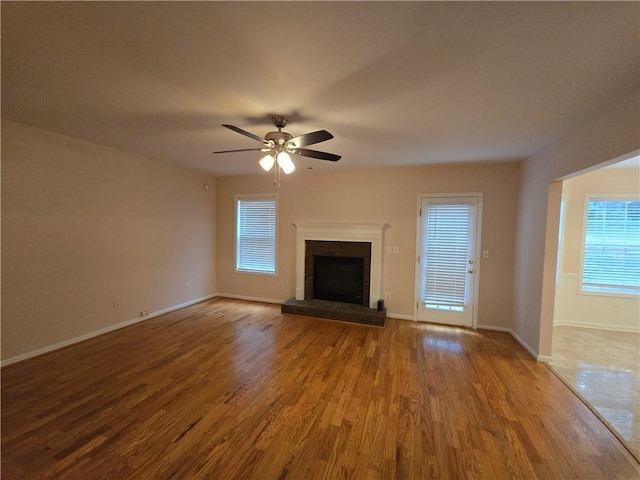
(446, 265)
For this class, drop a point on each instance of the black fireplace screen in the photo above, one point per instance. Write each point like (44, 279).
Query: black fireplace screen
(338, 279)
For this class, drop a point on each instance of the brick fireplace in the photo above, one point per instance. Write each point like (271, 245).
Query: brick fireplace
(346, 246)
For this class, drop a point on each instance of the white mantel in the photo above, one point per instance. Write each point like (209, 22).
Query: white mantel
(342, 232)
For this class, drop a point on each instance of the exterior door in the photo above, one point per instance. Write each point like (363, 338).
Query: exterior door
(447, 259)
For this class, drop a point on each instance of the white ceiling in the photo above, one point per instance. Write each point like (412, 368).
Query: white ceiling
(397, 83)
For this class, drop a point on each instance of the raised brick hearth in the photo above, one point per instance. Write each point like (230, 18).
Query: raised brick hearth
(348, 312)
(338, 240)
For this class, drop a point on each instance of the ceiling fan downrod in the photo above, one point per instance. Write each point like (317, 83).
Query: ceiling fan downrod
(279, 121)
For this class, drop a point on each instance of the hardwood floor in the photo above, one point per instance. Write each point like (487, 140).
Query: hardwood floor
(604, 367)
(232, 389)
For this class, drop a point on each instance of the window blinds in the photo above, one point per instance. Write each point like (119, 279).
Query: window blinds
(611, 262)
(447, 230)
(256, 235)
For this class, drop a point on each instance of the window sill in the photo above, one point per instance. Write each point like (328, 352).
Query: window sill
(251, 272)
(590, 293)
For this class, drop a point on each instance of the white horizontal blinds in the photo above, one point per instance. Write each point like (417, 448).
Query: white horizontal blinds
(611, 262)
(447, 229)
(256, 235)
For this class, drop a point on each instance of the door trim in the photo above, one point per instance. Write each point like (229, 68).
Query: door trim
(478, 253)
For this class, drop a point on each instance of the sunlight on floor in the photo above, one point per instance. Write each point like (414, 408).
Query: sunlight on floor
(604, 367)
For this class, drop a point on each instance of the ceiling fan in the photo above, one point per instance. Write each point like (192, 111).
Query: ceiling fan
(278, 146)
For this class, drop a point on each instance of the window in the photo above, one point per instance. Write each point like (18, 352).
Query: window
(256, 234)
(447, 231)
(611, 256)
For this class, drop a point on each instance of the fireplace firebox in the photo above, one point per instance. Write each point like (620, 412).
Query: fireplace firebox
(338, 279)
(338, 271)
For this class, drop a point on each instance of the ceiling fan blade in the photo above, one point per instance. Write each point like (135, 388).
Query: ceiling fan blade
(244, 150)
(244, 132)
(309, 139)
(316, 154)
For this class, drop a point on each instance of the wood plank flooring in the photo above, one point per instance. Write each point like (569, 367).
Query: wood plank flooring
(232, 389)
(604, 367)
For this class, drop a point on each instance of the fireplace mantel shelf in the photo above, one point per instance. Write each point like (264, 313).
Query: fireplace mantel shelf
(342, 232)
(350, 229)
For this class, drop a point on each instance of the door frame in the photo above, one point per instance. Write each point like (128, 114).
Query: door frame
(478, 196)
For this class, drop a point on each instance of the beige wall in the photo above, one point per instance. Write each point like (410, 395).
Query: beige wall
(606, 136)
(592, 310)
(378, 196)
(606, 312)
(84, 226)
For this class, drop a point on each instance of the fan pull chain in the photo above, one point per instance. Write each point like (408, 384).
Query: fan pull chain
(276, 177)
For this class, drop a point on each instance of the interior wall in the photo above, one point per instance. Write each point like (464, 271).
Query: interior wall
(609, 135)
(84, 226)
(382, 195)
(588, 310)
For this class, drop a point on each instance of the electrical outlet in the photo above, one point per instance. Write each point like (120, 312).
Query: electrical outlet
(280, 286)
(187, 287)
(387, 296)
(116, 305)
(144, 313)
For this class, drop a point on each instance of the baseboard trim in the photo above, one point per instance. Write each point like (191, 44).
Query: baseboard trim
(545, 359)
(494, 329)
(102, 331)
(399, 316)
(537, 358)
(524, 345)
(118, 326)
(250, 299)
(597, 326)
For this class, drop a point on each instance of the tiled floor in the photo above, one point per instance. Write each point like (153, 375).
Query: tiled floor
(604, 367)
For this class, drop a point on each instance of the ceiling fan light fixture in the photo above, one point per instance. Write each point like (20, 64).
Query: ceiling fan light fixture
(285, 163)
(267, 162)
(278, 146)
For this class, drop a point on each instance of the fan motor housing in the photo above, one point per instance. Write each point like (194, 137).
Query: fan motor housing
(279, 138)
